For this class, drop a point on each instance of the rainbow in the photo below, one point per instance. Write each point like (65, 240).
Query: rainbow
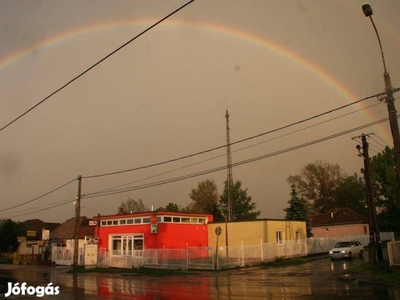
(212, 27)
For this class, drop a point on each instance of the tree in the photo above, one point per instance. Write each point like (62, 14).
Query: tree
(170, 207)
(351, 193)
(205, 199)
(8, 236)
(317, 183)
(386, 189)
(298, 210)
(242, 206)
(131, 205)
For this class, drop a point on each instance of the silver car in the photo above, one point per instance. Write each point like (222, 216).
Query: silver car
(347, 249)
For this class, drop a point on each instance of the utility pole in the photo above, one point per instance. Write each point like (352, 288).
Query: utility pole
(374, 246)
(387, 96)
(229, 179)
(77, 219)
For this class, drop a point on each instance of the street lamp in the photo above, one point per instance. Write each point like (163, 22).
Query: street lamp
(394, 126)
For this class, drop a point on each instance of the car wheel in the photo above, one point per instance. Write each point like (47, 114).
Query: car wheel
(361, 254)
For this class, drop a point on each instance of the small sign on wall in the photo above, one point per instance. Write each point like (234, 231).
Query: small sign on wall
(153, 228)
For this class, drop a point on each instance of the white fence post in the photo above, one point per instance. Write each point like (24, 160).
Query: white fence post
(262, 250)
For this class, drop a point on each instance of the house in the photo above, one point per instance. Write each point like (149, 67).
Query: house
(32, 237)
(125, 235)
(63, 241)
(256, 231)
(275, 238)
(339, 222)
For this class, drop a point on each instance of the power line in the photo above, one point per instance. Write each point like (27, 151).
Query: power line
(114, 189)
(53, 206)
(204, 172)
(94, 65)
(37, 198)
(237, 150)
(223, 146)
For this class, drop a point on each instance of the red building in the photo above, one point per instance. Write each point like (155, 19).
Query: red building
(123, 233)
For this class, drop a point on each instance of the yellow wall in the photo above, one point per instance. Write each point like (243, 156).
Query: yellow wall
(255, 232)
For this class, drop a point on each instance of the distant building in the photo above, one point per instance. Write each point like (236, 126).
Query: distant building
(32, 236)
(258, 231)
(339, 222)
(63, 241)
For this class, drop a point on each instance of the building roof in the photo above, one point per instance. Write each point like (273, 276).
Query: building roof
(35, 226)
(67, 229)
(338, 216)
(122, 214)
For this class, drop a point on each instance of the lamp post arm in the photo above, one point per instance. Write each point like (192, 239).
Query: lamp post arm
(380, 44)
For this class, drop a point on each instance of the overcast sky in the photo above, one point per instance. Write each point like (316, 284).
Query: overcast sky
(164, 96)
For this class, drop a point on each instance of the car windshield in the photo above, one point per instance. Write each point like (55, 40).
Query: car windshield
(343, 244)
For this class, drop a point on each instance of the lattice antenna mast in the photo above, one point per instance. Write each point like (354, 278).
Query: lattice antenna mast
(229, 178)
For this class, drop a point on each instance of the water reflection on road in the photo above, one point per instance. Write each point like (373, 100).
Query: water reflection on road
(313, 280)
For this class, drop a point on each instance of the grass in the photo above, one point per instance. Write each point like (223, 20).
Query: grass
(281, 262)
(380, 272)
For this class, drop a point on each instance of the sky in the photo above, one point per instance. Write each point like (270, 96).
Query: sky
(163, 98)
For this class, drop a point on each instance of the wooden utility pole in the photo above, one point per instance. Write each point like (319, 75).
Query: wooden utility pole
(77, 219)
(229, 179)
(374, 246)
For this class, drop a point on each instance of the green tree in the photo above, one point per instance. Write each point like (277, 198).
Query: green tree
(205, 199)
(170, 207)
(317, 183)
(386, 189)
(351, 193)
(298, 210)
(8, 236)
(243, 208)
(131, 205)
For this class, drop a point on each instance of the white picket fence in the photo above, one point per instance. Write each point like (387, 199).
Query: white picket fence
(209, 258)
(204, 257)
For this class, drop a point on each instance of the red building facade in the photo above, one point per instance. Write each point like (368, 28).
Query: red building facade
(125, 233)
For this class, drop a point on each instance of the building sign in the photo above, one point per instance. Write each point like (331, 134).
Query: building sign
(92, 223)
(31, 233)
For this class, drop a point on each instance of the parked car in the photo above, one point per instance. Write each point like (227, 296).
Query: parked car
(347, 249)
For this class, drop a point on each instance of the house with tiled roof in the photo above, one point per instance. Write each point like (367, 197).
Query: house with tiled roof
(339, 222)
(32, 235)
(63, 241)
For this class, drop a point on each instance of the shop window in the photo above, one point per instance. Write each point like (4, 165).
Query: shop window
(167, 219)
(126, 244)
(122, 222)
(109, 222)
(202, 221)
(103, 223)
(185, 220)
(195, 220)
(138, 221)
(129, 221)
(146, 220)
(176, 219)
(115, 222)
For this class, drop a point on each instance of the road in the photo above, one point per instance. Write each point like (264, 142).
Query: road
(317, 279)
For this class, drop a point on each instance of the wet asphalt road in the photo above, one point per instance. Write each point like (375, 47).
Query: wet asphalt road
(317, 279)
